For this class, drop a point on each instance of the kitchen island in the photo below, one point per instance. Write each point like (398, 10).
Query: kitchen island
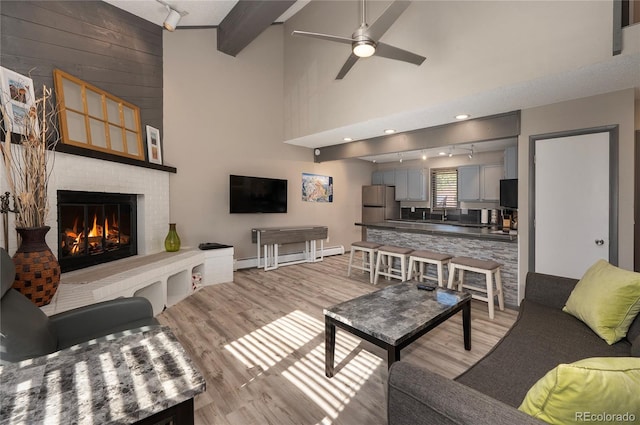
(482, 242)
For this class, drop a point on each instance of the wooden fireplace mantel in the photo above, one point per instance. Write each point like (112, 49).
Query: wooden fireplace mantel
(104, 156)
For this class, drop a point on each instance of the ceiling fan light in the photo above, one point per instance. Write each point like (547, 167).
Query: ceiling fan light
(364, 49)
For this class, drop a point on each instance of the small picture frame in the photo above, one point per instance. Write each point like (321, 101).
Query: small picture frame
(18, 99)
(154, 147)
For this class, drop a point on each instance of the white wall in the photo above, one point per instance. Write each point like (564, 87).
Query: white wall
(224, 115)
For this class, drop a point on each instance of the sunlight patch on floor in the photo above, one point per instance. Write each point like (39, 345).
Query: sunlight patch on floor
(267, 346)
(333, 394)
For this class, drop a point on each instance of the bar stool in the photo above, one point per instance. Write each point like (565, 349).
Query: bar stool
(368, 251)
(384, 262)
(487, 267)
(422, 259)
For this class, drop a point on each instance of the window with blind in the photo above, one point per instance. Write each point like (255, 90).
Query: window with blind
(444, 188)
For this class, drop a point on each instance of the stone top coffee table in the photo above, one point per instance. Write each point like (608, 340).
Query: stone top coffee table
(394, 317)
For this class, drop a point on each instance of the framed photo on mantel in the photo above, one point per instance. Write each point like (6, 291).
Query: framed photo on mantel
(18, 101)
(154, 148)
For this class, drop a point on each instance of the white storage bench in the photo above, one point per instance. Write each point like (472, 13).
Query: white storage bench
(164, 279)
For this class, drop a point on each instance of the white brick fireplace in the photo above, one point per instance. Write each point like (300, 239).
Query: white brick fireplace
(73, 172)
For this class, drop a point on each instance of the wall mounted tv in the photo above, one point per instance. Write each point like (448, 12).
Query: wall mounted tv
(257, 195)
(509, 193)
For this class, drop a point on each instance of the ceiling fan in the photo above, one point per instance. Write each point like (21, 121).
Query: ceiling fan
(365, 40)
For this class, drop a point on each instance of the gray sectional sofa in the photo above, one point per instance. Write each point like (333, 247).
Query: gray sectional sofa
(490, 392)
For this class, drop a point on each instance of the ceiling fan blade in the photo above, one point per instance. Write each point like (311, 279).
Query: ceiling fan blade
(391, 52)
(347, 66)
(327, 37)
(388, 17)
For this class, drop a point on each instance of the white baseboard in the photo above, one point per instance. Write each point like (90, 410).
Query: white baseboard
(247, 263)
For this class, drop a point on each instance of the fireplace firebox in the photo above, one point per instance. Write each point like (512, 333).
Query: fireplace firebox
(95, 228)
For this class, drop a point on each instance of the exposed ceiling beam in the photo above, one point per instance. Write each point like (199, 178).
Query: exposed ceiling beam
(246, 21)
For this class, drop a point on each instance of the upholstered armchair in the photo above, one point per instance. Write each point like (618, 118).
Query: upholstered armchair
(26, 332)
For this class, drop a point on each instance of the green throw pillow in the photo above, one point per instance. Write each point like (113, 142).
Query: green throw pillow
(597, 390)
(607, 299)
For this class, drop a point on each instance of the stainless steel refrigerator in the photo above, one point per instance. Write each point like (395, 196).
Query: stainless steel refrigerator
(378, 204)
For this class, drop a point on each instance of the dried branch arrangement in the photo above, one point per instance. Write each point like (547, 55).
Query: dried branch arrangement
(28, 159)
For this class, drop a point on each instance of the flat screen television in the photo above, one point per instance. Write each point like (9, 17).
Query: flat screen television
(509, 193)
(257, 195)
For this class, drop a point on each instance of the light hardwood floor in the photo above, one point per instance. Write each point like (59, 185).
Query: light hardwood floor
(259, 342)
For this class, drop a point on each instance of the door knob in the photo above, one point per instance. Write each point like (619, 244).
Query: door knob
(599, 242)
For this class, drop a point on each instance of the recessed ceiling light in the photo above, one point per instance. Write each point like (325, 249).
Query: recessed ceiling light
(442, 153)
(389, 131)
(347, 139)
(462, 116)
(424, 156)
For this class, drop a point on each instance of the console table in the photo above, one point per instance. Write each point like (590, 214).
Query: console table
(270, 237)
(143, 378)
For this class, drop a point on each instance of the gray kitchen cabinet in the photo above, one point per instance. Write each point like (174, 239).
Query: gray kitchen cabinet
(402, 184)
(479, 182)
(410, 184)
(511, 162)
(417, 187)
(389, 177)
(385, 177)
(469, 183)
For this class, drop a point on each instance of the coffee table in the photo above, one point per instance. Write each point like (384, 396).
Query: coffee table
(394, 317)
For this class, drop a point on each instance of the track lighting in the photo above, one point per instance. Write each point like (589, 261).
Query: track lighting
(171, 22)
(174, 16)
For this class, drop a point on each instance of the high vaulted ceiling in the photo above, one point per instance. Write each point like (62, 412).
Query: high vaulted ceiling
(200, 13)
(234, 19)
(238, 22)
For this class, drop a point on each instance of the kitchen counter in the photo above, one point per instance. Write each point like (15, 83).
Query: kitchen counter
(484, 243)
(449, 229)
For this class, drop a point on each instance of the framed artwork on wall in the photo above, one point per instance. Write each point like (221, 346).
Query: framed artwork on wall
(154, 148)
(317, 188)
(18, 99)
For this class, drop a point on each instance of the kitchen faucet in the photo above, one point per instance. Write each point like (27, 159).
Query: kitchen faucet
(444, 208)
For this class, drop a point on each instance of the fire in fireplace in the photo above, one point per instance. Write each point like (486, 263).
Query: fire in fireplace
(95, 228)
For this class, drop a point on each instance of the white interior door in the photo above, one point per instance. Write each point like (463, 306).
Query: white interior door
(571, 203)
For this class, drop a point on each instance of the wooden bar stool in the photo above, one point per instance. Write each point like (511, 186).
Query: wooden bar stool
(384, 262)
(487, 267)
(422, 259)
(368, 251)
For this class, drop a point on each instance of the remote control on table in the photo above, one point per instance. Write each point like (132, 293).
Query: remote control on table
(425, 287)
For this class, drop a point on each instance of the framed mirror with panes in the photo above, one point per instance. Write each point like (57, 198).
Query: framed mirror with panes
(94, 119)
